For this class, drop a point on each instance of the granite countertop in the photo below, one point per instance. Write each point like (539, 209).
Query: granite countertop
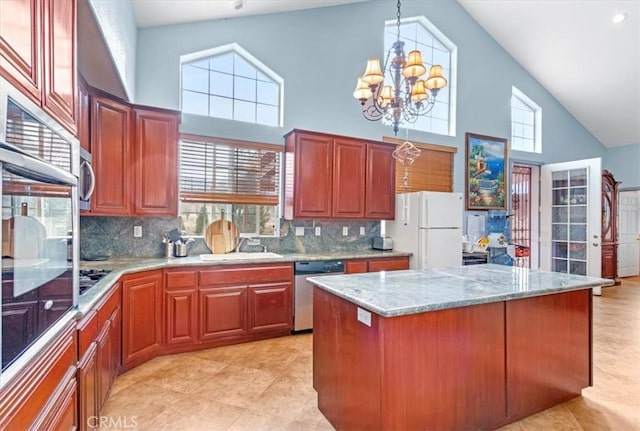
(397, 293)
(123, 266)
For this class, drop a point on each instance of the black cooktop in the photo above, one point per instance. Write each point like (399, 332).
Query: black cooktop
(89, 277)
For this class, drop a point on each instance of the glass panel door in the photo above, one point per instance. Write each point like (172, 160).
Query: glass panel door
(570, 217)
(569, 221)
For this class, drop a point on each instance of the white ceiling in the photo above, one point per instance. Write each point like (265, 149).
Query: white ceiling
(590, 65)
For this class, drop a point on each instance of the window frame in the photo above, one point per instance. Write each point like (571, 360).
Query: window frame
(537, 121)
(252, 60)
(453, 66)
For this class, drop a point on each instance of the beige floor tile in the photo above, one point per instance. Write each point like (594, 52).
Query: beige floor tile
(267, 385)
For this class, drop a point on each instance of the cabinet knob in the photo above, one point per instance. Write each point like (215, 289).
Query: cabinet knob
(48, 304)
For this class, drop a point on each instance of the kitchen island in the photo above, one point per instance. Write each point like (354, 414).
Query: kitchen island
(446, 349)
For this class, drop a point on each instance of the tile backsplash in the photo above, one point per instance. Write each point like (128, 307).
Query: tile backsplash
(113, 237)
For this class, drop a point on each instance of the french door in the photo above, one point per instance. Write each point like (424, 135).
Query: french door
(570, 218)
(628, 233)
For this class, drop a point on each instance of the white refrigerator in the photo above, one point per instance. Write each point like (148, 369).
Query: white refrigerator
(429, 225)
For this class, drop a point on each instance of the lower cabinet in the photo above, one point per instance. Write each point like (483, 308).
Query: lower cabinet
(223, 312)
(44, 394)
(213, 306)
(356, 266)
(142, 317)
(99, 350)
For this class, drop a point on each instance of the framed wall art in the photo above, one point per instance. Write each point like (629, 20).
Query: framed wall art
(485, 180)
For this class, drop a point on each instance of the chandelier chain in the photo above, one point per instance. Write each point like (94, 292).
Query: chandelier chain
(398, 22)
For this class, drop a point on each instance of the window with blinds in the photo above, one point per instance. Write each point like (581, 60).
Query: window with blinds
(431, 171)
(241, 178)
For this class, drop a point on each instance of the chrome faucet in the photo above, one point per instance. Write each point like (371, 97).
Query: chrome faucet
(239, 243)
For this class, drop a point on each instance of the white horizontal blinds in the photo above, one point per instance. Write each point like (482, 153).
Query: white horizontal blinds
(225, 171)
(28, 134)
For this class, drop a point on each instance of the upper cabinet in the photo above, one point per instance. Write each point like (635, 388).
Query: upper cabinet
(330, 176)
(38, 54)
(134, 151)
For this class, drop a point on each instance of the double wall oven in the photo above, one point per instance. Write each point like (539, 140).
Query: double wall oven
(40, 163)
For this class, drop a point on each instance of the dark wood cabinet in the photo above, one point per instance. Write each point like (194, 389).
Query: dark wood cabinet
(348, 179)
(609, 226)
(380, 185)
(330, 176)
(19, 325)
(355, 266)
(60, 68)
(38, 54)
(156, 160)
(270, 307)
(21, 45)
(141, 317)
(112, 157)
(88, 388)
(223, 312)
(135, 158)
(180, 307)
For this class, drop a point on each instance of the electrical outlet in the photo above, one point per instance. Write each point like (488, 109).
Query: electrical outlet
(345, 231)
(137, 231)
(299, 231)
(318, 230)
(362, 232)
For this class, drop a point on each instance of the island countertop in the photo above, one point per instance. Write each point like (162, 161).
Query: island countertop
(398, 293)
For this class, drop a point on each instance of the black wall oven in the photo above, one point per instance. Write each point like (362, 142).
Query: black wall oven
(39, 196)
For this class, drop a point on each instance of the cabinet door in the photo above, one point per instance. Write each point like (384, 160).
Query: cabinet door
(270, 307)
(59, 47)
(348, 179)
(181, 316)
(313, 176)
(111, 153)
(64, 413)
(103, 365)
(116, 345)
(50, 310)
(223, 312)
(88, 388)
(20, 45)
(156, 155)
(141, 318)
(19, 323)
(380, 185)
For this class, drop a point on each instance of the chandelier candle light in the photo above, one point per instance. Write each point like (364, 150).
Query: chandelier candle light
(405, 99)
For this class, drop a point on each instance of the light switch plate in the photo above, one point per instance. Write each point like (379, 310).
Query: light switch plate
(137, 231)
(364, 316)
(299, 231)
(318, 230)
(362, 232)
(345, 230)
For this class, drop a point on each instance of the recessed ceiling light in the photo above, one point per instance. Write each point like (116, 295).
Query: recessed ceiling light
(619, 17)
(237, 4)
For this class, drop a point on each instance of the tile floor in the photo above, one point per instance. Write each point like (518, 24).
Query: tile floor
(267, 385)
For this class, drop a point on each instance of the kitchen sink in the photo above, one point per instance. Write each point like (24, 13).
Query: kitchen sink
(239, 256)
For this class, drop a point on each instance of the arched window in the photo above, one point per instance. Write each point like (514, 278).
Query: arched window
(228, 82)
(526, 123)
(419, 33)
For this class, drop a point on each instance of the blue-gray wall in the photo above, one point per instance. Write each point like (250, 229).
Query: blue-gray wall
(117, 21)
(320, 53)
(624, 163)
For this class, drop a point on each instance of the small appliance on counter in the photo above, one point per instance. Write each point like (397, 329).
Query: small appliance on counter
(382, 243)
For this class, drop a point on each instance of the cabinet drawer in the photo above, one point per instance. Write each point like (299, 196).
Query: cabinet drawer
(180, 279)
(356, 266)
(106, 307)
(388, 264)
(87, 332)
(246, 274)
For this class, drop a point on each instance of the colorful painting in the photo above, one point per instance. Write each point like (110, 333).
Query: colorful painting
(486, 178)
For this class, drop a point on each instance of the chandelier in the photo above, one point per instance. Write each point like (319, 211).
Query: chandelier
(408, 96)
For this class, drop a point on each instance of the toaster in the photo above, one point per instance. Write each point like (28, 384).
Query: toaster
(382, 243)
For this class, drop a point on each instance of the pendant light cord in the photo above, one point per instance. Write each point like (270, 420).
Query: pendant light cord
(398, 23)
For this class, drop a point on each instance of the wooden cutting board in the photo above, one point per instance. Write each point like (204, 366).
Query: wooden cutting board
(221, 235)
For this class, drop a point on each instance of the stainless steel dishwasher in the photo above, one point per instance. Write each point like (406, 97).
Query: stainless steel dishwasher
(303, 290)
